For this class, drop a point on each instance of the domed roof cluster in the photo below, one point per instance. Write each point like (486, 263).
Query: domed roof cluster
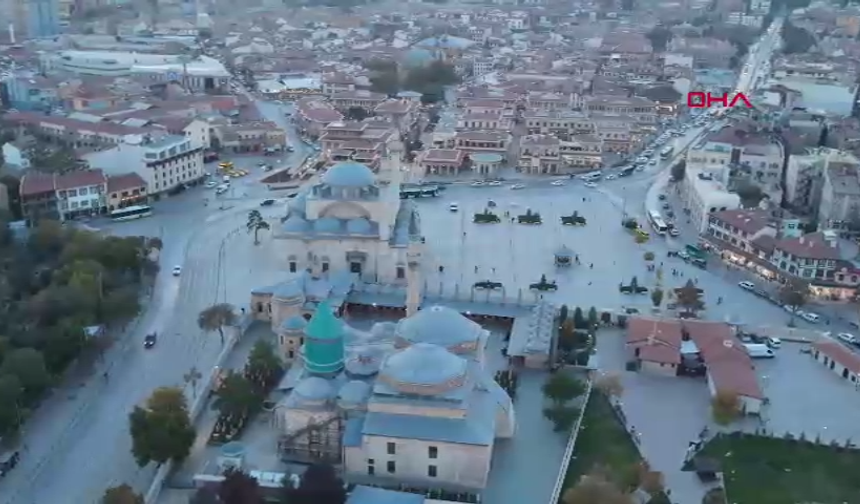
(296, 323)
(424, 368)
(438, 325)
(353, 393)
(349, 174)
(359, 226)
(296, 224)
(327, 225)
(364, 363)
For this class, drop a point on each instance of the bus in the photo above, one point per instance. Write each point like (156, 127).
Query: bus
(658, 223)
(666, 152)
(132, 212)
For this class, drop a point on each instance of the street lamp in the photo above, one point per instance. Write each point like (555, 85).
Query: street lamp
(192, 377)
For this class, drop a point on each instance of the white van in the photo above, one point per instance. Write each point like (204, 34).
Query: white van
(454, 207)
(759, 351)
(773, 342)
(226, 179)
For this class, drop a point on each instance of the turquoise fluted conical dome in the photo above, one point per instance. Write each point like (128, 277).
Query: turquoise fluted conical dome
(323, 352)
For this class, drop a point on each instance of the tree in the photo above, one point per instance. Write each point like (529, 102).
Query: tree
(48, 159)
(794, 295)
(659, 36)
(610, 385)
(161, 430)
(236, 396)
(263, 367)
(796, 40)
(28, 365)
(595, 488)
(216, 317)
(750, 194)
(657, 297)
(689, 297)
(561, 388)
(239, 488)
(592, 318)
(205, 495)
(319, 484)
(356, 114)
(579, 319)
(562, 314)
(11, 399)
(122, 494)
(725, 407)
(679, 170)
(255, 224)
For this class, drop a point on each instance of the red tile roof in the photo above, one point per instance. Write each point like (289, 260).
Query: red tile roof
(125, 182)
(36, 183)
(844, 357)
(656, 340)
(77, 179)
(748, 221)
(810, 246)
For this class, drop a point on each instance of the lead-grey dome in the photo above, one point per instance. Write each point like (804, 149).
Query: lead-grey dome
(327, 225)
(314, 388)
(296, 224)
(353, 393)
(424, 369)
(359, 226)
(349, 174)
(295, 323)
(438, 325)
(289, 291)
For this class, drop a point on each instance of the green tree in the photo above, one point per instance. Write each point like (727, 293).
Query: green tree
(579, 319)
(122, 494)
(161, 430)
(725, 407)
(595, 488)
(657, 297)
(11, 400)
(263, 367)
(216, 317)
(562, 315)
(593, 318)
(236, 396)
(689, 297)
(659, 36)
(679, 170)
(255, 224)
(28, 365)
(49, 159)
(796, 40)
(356, 114)
(750, 194)
(561, 388)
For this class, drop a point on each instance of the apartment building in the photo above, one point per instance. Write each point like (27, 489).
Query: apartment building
(839, 203)
(164, 163)
(752, 239)
(442, 161)
(642, 110)
(484, 142)
(402, 113)
(492, 121)
(563, 125)
(704, 192)
(72, 133)
(255, 136)
(361, 98)
(365, 142)
(540, 154)
(62, 197)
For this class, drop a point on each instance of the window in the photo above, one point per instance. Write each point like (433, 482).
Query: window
(292, 266)
(431, 471)
(324, 267)
(391, 467)
(391, 448)
(401, 272)
(370, 470)
(433, 452)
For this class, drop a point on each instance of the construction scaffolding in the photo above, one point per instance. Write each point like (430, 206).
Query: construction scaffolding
(315, 443)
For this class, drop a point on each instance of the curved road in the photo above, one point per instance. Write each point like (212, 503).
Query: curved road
(78, 447)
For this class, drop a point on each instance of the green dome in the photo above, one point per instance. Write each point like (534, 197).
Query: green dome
(323, 352)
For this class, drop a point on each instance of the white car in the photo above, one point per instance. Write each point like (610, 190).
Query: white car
(611, 176)
(674, 233)
(517, 187)
(494, 183)
(211, 184)
(477, 183)
(177, 270)
(454, 207)
(746, 285)
(590, 184)
(652, 162)
(810, 317)
(847, 338)
(557, 183)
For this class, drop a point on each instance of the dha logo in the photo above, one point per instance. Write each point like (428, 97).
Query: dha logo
(700, 99)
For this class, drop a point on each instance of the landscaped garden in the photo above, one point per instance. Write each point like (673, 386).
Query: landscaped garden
(605, 461)
(766, 470)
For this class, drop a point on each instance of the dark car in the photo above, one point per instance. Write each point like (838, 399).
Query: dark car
(488, 285)
(267, 202)
(149, 340)
(8, 461)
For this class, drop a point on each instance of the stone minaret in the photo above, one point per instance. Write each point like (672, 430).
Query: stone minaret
(414, 288)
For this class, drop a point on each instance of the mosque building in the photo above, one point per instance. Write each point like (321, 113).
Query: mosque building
(354, 221)
(411, 401)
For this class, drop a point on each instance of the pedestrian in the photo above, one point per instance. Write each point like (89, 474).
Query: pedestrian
(494, 270)
(441, 268)
(591, 266)
(476, 269)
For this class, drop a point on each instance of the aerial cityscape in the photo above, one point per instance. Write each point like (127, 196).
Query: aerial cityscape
(429, 252)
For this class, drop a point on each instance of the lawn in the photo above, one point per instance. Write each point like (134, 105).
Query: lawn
(765, 470)
(602, 442)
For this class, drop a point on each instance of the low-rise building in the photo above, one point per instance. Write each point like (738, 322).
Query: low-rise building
(839, 359)
(442, 161)
(313, 115)
(704, 192)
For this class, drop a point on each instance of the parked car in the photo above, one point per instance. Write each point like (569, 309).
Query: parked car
(810, 317)
(848, 338)
(746, 285)
(177, 270)
(557, 183)
(516, 187)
